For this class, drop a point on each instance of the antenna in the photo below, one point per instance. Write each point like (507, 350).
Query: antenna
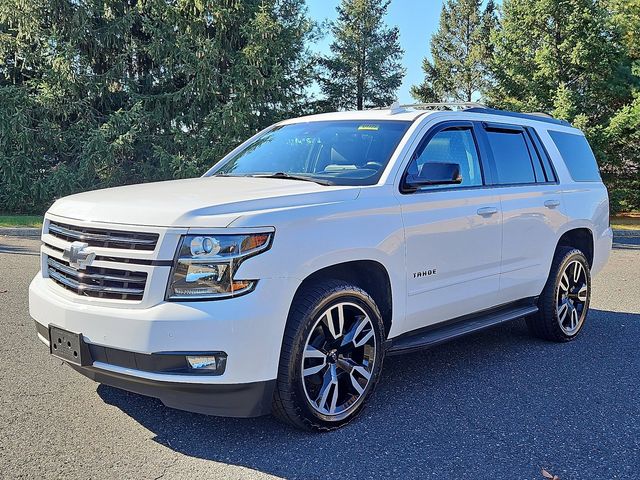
(396, 108)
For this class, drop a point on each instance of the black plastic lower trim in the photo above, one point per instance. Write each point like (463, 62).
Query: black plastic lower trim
(442, 332)
(225, 400)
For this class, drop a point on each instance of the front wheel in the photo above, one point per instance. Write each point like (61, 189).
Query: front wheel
(331, 358)
(564, 302)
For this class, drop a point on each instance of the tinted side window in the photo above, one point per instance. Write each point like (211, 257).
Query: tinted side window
(543, 155)
(577, 155)
(511, 156)
(454, 145)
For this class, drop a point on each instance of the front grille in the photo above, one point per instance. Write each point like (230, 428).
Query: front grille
(97, 281)
(100, 237)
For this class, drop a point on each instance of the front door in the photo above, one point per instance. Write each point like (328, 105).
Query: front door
(453, 232)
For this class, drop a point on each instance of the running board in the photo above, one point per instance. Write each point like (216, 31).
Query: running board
(437, 334)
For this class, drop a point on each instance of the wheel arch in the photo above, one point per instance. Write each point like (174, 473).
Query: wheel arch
(581, 238)
(370, 275)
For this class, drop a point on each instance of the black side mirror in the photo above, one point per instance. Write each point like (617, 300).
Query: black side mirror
(433, 173)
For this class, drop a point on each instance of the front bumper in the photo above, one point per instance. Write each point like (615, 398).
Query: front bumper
(248, 328)
(227, 400)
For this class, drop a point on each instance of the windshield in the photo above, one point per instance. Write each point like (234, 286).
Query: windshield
(333, 152)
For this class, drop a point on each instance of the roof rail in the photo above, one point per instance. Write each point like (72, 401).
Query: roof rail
(473, 107)
(540, 114)
(537, 116)
(444, 105)
(396, 107)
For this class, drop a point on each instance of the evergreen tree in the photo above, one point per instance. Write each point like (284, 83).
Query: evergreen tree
(96, 93)
(570, 58)
(460, 50)
(364, 68)
(552, 55)
(626, 16)
(622, 169)
(622, 134)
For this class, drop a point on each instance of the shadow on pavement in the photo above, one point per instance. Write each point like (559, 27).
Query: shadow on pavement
(20, 246)
(626, 246)
(497, 404)
(626, 240)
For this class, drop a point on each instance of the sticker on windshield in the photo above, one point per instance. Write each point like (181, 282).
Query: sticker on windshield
(368, 127)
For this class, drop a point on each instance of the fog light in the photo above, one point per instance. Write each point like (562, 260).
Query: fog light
(214, 364)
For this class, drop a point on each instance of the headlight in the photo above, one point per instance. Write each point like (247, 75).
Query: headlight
(206, 264)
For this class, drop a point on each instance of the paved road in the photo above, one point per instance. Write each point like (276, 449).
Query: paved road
(497, 404)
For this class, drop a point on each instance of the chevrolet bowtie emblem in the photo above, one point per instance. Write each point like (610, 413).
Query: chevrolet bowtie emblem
(77, 255)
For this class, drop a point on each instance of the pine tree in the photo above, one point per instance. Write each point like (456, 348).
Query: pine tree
(622, 134)
(105, 92)
(626, 16)
(549, 54)
(364, 68)
(570, 58)
(460, 50)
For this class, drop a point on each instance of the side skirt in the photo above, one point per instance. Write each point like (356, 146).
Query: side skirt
(457, 327)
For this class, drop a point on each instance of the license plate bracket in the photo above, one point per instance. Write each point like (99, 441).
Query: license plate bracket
(68, 346)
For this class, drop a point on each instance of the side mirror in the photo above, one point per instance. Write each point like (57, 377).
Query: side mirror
(433, 173)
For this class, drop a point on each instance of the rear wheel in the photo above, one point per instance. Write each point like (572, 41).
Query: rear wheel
(331, 356)
(564, 302)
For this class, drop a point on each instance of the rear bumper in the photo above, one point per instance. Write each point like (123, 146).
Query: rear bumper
(602, 250)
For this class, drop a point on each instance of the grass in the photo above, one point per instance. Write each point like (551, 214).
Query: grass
(623, 226)
(626, 221)
(618, 226)
(620, 222)
(18, 221)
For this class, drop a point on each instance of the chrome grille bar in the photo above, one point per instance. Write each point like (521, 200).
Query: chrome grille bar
(98, 281)
(93, 288)
(94, 276)
(98, 237)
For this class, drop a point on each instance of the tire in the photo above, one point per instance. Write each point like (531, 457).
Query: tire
(327, 373)
(564, 302)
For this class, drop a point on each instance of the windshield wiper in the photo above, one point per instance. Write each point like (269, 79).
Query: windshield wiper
(288, 176)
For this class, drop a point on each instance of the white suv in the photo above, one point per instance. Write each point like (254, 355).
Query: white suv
(279, 280)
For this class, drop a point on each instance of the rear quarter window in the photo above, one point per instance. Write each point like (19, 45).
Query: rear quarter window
(577, 156)
(511, 156)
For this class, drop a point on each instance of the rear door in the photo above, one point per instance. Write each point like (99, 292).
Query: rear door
(530, 199)
(453, 232)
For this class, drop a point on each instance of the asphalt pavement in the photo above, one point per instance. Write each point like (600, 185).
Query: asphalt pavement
(497, 404)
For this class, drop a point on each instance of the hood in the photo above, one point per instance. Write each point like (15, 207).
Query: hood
(195, 202)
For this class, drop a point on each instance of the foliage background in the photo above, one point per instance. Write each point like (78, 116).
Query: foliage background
(98, 93)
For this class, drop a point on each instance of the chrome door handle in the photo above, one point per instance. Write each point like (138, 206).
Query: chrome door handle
(487, 211)
(551, 203)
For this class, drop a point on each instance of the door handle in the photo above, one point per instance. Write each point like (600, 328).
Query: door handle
(551, 203)
(487, 211)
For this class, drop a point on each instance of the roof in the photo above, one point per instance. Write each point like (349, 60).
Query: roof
(412, 112)
(375, 115)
